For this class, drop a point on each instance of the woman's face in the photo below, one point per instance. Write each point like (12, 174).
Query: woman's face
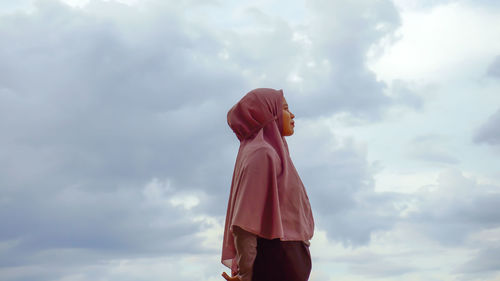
(288, 122)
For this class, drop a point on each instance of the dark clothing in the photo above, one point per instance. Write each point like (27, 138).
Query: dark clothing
(281, 261)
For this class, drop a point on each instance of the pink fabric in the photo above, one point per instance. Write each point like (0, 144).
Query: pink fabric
(267, 197)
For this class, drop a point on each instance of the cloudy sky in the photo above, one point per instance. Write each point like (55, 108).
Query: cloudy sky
(116, 158)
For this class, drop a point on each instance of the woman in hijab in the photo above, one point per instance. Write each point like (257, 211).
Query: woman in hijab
(269, 221)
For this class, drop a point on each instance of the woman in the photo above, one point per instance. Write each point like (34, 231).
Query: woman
(269, 220)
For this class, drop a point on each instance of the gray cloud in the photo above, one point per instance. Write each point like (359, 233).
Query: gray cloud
(126, 222)
(459, 205)
(494, 68)
(97, 102)
(432, 148)
(380, 267)
(405, 95)
(374, 265)
(341, 33)
(104, 106)
(324, 56)
(90, 113)
(109, 110)
(487, 260)
(489, 132)
(340, 184)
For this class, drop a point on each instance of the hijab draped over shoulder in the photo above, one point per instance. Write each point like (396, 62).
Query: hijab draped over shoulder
(267, 196)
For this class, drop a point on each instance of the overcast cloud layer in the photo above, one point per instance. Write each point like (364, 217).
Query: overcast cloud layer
(116, 157)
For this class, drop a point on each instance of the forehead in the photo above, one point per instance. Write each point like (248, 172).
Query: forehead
(284, 101)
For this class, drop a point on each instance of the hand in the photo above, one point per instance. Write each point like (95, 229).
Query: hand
(228, 278)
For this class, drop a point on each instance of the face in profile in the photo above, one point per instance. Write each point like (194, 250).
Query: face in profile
(288, 122)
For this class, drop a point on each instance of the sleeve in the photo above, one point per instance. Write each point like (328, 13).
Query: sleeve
(246, 252)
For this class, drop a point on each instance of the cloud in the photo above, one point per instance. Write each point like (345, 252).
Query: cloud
(127, 89)
(340, 35)
(319, 59)
(431, 4)
(486, 260)
(129, 269)
(404, 94)
(378, 267)
(494, 68)
(489, 132)
(457, 217)
(458, 205)
(115, 153)
(92, 111)
(112, 108)
(431, 148)
(339, 180)
(483, 263)
(130, 221)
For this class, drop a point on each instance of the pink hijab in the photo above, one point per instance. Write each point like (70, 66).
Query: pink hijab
(267, 197)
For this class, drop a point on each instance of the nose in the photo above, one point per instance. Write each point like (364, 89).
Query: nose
(292, 115)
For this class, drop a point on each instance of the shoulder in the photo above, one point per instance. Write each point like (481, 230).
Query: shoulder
(260, 160)
(260, 154)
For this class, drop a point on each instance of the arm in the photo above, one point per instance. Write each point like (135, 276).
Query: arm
(246, 251)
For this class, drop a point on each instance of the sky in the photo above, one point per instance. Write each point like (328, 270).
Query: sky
(116, 158)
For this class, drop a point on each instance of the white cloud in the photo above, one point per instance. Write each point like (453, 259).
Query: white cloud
(449, 41)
